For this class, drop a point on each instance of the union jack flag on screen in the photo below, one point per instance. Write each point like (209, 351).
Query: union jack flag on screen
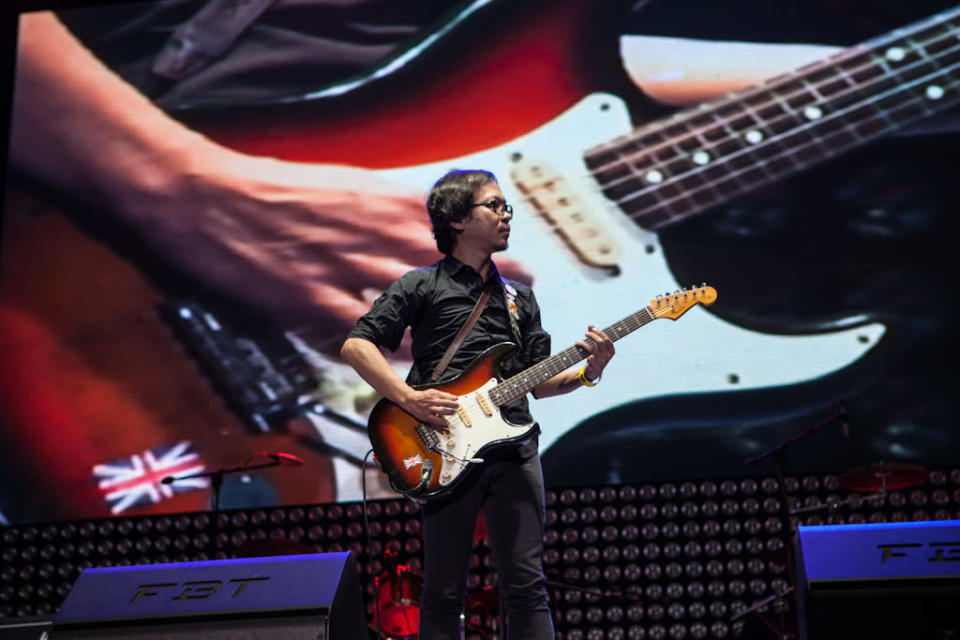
(136, 481)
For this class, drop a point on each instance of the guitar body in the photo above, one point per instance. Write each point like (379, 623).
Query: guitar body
(401, 450)
(449, 95)
(90, 375)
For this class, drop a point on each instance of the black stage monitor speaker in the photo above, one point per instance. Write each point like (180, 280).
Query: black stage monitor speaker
(898, 581)
(303, 597)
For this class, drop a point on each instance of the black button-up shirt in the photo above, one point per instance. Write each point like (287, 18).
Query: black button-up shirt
(435, 301)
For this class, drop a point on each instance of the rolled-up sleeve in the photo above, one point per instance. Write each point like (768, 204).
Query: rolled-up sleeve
(390, 315)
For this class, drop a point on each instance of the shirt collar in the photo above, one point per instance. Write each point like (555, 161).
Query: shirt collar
(455, 267)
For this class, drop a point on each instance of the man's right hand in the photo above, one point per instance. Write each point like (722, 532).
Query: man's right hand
(430, 406)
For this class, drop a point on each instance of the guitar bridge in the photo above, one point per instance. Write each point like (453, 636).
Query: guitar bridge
(428, 435)
(261, 377)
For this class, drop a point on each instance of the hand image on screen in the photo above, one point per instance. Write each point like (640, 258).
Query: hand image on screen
(308, 244)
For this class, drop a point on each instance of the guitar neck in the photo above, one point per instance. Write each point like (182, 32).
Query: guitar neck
(713, 153)
(517, 386)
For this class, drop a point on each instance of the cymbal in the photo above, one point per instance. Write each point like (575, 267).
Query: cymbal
(485, 601)
(881, 476)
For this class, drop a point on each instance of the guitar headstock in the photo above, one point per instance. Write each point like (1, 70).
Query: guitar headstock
(673, 305)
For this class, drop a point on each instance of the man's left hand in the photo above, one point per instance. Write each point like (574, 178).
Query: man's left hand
(601, 350)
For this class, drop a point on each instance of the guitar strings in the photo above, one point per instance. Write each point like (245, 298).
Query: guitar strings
(832, 117)
(769, 141)
(731, 176)
(738, 99)
(746, 150)
(511, 389)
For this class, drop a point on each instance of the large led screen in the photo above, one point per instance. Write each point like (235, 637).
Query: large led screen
(202, 198)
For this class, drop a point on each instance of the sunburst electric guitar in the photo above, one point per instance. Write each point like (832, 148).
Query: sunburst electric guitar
(424, 462)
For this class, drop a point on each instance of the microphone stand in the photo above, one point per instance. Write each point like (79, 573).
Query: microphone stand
(780, 450)
(779, 455)
(216, 483)
(763, 618)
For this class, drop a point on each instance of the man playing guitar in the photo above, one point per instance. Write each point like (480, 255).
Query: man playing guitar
(471, 221)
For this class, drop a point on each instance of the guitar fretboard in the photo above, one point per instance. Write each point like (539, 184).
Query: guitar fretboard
(515, 387)
(710, 154)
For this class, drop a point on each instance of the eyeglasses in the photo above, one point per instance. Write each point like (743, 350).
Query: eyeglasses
(496, 205)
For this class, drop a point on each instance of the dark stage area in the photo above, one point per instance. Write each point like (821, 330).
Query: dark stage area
(696, 559)
(208, 204)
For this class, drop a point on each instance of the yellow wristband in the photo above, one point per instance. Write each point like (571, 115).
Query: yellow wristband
(584, 380)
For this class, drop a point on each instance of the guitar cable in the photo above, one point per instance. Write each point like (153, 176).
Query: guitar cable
(444, 452)
(366, 533)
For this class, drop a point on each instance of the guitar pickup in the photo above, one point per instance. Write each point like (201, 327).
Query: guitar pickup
(554, 199)
(484, 405)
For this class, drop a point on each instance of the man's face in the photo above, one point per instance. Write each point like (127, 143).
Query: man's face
(488, 227)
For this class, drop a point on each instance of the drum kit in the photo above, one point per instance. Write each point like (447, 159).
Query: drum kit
(883, 476)
(397, 590)
(398, 602)
(398, 599)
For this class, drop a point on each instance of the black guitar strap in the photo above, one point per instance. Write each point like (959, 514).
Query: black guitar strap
(464, 330)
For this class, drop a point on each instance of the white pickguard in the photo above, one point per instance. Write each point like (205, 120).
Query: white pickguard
(465, 440)
(697, 353)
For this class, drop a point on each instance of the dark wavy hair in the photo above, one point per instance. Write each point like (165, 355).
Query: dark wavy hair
(450, 200)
